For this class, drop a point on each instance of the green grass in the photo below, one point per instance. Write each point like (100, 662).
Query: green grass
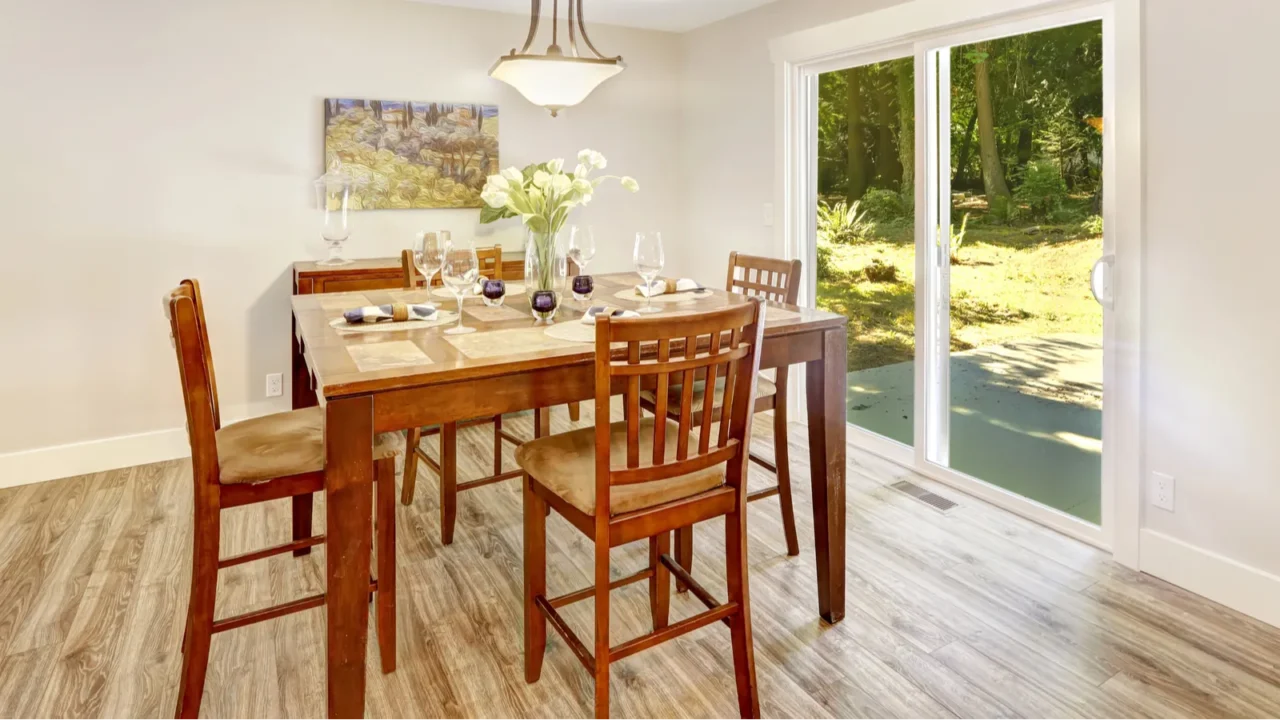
(1006, 283)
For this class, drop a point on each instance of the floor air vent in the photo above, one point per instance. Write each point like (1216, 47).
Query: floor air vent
(933, 500)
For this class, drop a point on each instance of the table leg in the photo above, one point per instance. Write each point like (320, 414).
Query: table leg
(348, 513)
(825, 381)
(304, 396)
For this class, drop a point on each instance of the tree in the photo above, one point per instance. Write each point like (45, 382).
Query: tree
(888, 167)
(992, 170)
(903, 71)
(856, 162)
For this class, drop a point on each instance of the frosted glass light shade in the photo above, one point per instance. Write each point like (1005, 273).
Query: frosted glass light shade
(554, 82)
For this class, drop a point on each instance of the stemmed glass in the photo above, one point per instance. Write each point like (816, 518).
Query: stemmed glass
(582, 246)
(428, 257)
(649, 260)
(460, 270)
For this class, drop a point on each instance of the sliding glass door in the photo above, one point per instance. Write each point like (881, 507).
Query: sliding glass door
(959, 226)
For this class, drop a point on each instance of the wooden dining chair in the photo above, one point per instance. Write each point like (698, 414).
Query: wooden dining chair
(642, 478)
(771, 279)
(446, 468)
(267, 458)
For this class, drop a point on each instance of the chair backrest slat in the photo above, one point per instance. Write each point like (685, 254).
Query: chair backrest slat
(199, 385)
(769, 278)
(649, 355)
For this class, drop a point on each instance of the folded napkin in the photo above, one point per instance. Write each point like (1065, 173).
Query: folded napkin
(397, 312)
(666, 287)
(479, 286)
(608, 311)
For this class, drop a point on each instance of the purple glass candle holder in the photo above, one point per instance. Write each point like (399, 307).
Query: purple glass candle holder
(544, 304)
(583, 287)
(493, 292)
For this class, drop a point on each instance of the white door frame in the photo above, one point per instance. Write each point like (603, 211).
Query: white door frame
(914, 28)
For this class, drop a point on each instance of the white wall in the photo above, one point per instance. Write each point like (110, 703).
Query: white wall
(145, 141)
(1212, 336)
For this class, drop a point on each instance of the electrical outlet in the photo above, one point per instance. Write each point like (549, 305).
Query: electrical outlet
(275, 385)
(1162, 491)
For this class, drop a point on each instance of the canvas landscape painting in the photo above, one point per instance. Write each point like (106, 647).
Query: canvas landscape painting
(407, 155)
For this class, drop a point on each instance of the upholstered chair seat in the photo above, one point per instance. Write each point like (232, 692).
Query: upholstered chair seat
(566, 465)
(286, 443)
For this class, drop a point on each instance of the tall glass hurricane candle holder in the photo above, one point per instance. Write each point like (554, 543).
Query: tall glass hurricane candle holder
(545, 269)
(333, 197)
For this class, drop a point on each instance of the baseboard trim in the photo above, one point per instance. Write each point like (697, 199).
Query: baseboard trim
(59, 461)
(1254, 592)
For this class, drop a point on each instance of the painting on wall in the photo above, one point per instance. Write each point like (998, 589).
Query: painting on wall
(406, 155)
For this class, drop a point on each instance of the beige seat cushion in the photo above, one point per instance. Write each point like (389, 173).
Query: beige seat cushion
(566, 465)
(287, 443)
(764, 388)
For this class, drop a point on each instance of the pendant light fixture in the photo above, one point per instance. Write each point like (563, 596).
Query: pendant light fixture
(556, 79)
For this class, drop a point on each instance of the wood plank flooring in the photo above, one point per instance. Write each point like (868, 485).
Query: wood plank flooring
(971, 613)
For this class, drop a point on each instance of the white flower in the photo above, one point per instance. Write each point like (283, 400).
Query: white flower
(497, 182)
(630, 183)
(561, 184)
(513, 174)
(555, 166)
(583, 186)
(593, 158)
(586, 199)
(495, 199)
(581, 171)
(540, 179)
(535, 194)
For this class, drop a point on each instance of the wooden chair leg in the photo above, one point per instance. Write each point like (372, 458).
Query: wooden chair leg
(542, 428)
(602, 623)
(302, 512)
(497, 445)
(744, 662)
(413, 437)
(448, 481)
(575, 411)
(684, 553)
(782, 459)
(385, 526)
(199, 632)
(660, 582)
(535, 581)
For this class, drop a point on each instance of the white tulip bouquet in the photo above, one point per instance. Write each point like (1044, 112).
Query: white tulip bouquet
(542, 196)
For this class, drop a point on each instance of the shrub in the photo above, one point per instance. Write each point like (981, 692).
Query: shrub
(880, 271)
(1042, 189)
(883, 205)
(843, 223)
(824, 260)
(1092, 226)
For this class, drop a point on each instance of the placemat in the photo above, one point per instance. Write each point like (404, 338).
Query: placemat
(387, 355)
(774, 313)
(447, 294)
(577, 332)
(496, 343)
(443, 317)
(484, 313)
(687, 296)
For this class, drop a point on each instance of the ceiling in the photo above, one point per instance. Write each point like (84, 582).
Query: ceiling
(670, 15)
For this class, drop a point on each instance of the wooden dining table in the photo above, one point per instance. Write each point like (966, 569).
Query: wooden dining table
(409, 375)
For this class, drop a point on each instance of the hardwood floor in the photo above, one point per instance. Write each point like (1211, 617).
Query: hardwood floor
(974, 612)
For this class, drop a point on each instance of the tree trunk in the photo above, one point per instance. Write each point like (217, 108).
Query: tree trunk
(962, 167)
(888, 166)
(992, 171)
(856, 159)
(906, 122)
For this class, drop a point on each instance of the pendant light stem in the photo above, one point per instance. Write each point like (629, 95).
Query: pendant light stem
(533, 27)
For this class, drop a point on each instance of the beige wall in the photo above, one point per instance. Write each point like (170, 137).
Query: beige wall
(144, 141)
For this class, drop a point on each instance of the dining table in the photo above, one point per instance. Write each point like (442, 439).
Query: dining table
(391, 377)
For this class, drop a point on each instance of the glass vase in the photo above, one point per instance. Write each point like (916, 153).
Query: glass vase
(545, 269)
(333, 196)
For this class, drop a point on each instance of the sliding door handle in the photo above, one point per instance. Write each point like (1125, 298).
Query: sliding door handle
(1100, 281)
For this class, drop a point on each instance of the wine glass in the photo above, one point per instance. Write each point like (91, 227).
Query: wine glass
(649, 261)
(460, 270)
(428, 256)
(582, 246)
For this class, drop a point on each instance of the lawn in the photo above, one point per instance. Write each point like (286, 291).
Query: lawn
(1007, 283)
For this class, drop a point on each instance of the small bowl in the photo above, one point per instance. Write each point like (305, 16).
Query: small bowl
(584, 286)
(544, 304)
